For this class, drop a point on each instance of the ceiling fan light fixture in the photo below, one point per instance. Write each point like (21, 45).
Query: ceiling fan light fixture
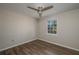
(41, 9)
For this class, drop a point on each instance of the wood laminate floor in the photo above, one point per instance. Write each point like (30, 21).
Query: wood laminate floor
(39, 47)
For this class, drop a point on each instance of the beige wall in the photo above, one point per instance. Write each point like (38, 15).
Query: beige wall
(15, 28)
(67, 29)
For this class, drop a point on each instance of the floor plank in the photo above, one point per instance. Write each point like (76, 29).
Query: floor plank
(39, 47)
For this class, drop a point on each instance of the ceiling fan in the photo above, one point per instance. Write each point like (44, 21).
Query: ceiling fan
(40, 9)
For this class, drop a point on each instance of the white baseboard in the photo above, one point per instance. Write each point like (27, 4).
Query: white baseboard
(42, 40)
(16, 45)
(61, 45)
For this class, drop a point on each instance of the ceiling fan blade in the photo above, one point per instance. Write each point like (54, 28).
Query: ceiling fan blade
(46, 8)
(33, 8)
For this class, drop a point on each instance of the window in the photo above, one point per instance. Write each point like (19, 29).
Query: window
(52, 26)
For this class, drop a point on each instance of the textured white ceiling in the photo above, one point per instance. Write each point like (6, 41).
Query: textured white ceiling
(22, 8)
